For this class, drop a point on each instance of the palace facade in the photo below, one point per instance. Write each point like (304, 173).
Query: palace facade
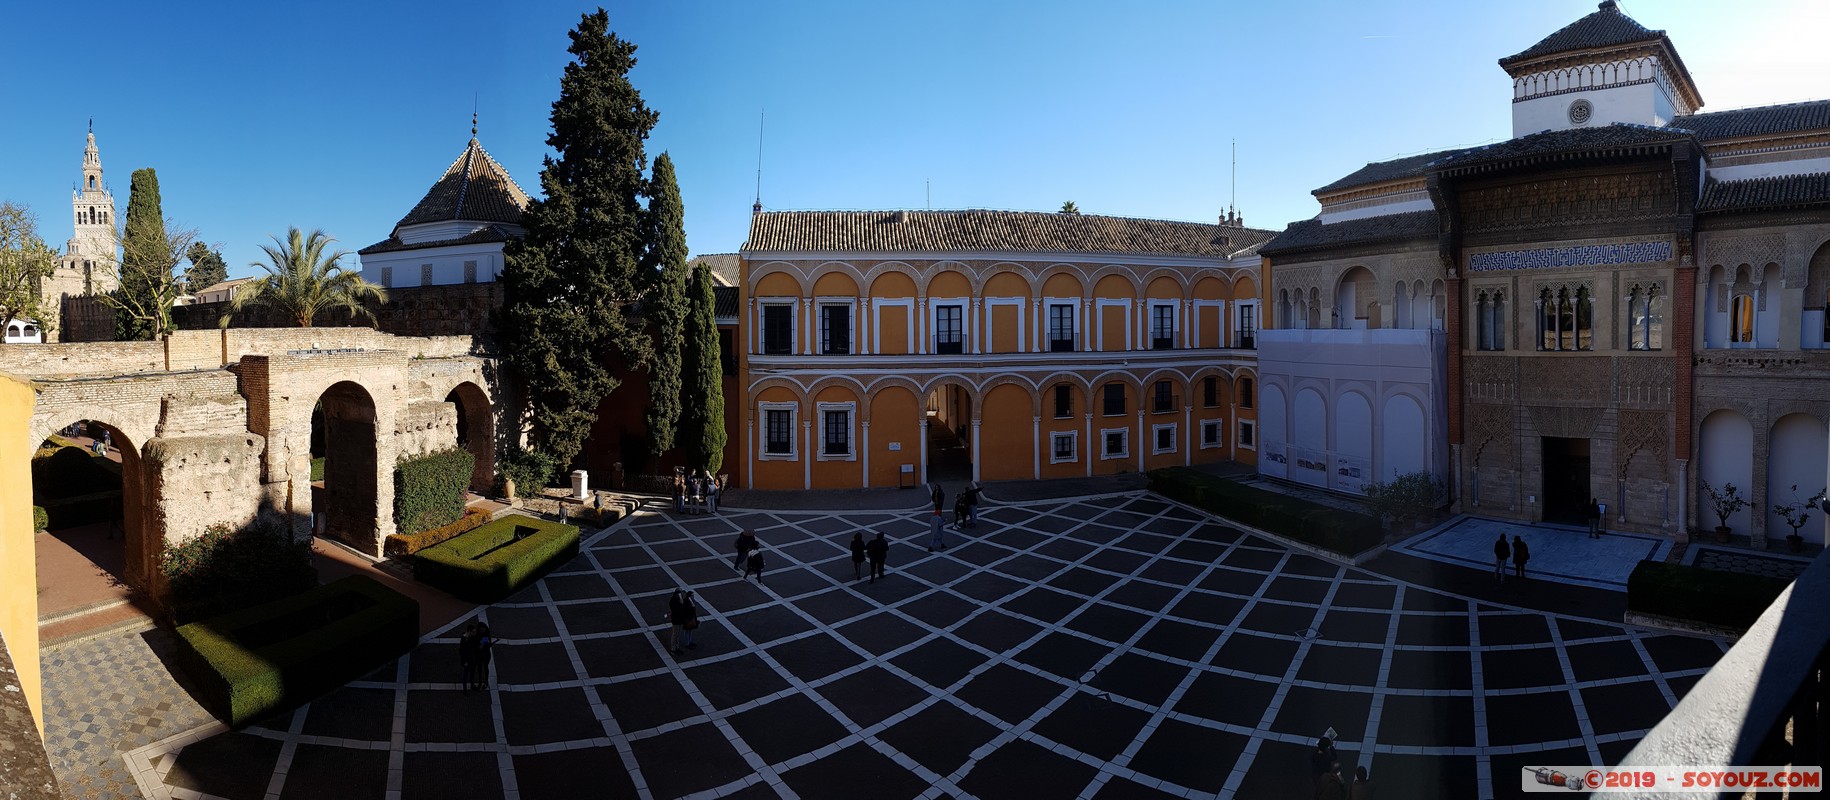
(893, 348)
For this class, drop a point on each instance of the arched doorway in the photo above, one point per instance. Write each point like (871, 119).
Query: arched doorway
(476, 433)
(1796, 459)
(948, 413)
(94, 555)
(1725, 455)
(1355, 300)
(345, 502)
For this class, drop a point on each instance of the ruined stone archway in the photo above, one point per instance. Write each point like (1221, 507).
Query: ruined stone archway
(476, 433)
(141, 551)
(348, 505)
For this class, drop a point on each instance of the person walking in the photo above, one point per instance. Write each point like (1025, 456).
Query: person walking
(1520, 555)
(1500, 553)
(1362, 785)
(940, 497)
(1321, 758)
(879, 552)
(746, 542)
(469, 646)
(485, 643)
(754, 566)
(679, 493)
(682, 614)
(971, 494)
(1594, 515)
(857, 556)
(937, 536)
(959, 512)
(712, 491)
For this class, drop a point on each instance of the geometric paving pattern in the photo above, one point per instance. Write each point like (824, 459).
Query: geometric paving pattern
(1113, 646)
(1723, 559)
(104, 696)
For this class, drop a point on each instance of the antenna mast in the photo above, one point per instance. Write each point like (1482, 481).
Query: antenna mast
(1234, 202)
(760, 117)
(929, 183)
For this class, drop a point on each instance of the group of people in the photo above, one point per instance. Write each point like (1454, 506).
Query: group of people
(965, 507)
(877, 551)
(749, 557)
(683, 614)
(1325, 768)
(473, 655)
(695, 492)
(1517, 552)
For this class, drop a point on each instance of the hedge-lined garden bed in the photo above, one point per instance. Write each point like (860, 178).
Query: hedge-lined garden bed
(406, 544)
(496, 560)
(252, 663)
(1332, 529)
(1678, 591)
(429, 489)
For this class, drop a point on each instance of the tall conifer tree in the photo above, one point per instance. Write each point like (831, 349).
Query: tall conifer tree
(665, 304)
(142, 239)
(567, 281)
(702, 419)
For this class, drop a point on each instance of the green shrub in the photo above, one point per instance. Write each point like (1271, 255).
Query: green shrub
(71, 472)
(406, 544)
(257, 661)
(1728, 599)
(531, 470)
(82, 509)
(317, 468)
(1405, 498)
(228, 568)
(496, 560)
(1333, 529)
(429, 489)
(41, 521)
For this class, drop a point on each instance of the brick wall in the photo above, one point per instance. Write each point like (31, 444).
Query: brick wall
(424, 426)
(455, 310)
(85, 318)
(192, 350)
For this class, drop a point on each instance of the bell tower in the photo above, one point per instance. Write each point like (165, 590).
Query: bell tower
(91, 252)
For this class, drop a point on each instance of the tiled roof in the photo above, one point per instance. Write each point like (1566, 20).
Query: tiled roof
(474, 188)
(1571, 141)
(1762, 194)
(724, 301)
(1758, 121)
(995, 231)
(1395, 169)
(724, 267)
(1606, 27)
(224, 285)
(488, 233)
(1311, 233)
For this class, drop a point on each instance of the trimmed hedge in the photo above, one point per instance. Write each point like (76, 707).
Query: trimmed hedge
(226, 568)
(399, 544)
(41, 520)
(317, 469)
(251, 663)
(1333, 529)
(1728, 599)
(429, 489)
(73, 472)
(496, 560)
(83, 509)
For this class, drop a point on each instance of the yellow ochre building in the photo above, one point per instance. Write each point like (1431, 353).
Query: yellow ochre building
(890, 348)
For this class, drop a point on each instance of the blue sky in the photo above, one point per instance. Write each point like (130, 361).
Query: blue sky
(340, 115)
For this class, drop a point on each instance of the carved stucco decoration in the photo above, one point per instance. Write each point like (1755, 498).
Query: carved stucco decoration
(1645, 381)
(1569, 201)
(1566, 380)
(1647, 431)
(1491, 379)
(1490, 431)
(1565, 423)
(1756, 250)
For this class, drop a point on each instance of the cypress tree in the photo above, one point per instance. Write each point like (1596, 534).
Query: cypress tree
(702, 420)
(142, 242)
(567, 280)
(665, 304)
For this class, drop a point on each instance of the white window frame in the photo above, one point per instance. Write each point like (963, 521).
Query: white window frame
(1045, 341)
(387, 277)
(1054, 455)
(851, 431)
(1219, 435)
(1106, 432)
(907, 304)
(794, 421)
(993, 302)
(1246, 425)
(965, 323)
(1197, 309)
(1156, 433)
(762, 330)
(1240, 307)
(820, 304)
(1175, 319)
(1099, 323)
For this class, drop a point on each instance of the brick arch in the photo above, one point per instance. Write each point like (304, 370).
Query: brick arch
(143, 547)
(881, 385)
(972, 389)
(925, 283)
(856, 387)
(1035, 390)
(1013, 268)
(1041, 278)
(819, 273)
(880, 268)
(1223, 389)
(782, 382)
(767, 268)
(1175, 276)
(137, 424)
(476, 431)
(1223, 284)
(1046, 386)
(1817, 277)
(1128, 274)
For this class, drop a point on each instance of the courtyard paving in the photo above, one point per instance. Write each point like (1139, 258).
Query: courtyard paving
(1112, 646)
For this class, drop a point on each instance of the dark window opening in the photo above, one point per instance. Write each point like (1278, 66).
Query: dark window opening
(1245, 392)
(1165, 397)
(1064, 401)
(780, 432)
(1162, 327)
(1210, 391)
(1060, 328)
(838, 433)
(1115, 400)
(835, 330)
(778, 329)
(949, 330)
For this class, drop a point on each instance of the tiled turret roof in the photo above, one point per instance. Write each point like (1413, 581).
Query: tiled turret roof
(474, 188)
(1311, 233)
(1606, 27)
(995, 231)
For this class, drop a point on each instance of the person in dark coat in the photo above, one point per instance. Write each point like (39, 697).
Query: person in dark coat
(754, 566)
(1329, 786)
(1501, 553)
(680, 612)
(1322, 757)
(879, 552)
(940, 498)
(1594, 515)
(485, 643)
(972, 503)
(746, 542)
(469, 652)
(1362, 785)
(1520, 555)
(960, 510)
(857, 556)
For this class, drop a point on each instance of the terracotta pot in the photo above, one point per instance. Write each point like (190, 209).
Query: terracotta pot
(1722, 534)
(1795, 544)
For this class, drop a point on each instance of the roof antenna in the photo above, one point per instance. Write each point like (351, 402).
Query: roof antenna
(929, 182)
(760, 117)
(1232, 205)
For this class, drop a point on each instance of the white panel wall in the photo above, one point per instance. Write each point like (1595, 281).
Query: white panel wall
(1272, 438)
(1797, 457)
(1405, 438)
(1353, 442)
(1725, 455)
(1642, 104)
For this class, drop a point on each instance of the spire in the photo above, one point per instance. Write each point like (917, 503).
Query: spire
(473, 126)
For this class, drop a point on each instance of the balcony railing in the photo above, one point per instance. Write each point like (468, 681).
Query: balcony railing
(1161, 341)
(1163, 404)
(949, 348)
(1063, 342)
(1245, 340)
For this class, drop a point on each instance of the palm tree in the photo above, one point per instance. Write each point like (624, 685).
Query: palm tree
(302, 281)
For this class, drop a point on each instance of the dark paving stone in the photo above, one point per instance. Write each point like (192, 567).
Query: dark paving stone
(1189, 755)
(1196, 551)
(319, 771)
(1237, 582)
(995, 631)
(841, 775)
(352, 713)
(448, 715)
(1534, 717)
(988, 587)
(1682, 686)
(1016, 538)
(567, 774)
(1297, 590)
(619, 557)
(1299, 564)
(1122, 789)
(814, 657)
(1040, 603)
(609, 657)
(552, 715)
(1260, 654)
(1624, 707)
(1306, 711)
(1099, 534)
(1430, 669)
(231, 764)
(1498, 629)
(729, 598)
(647, 702)
(1288, 620)
(606, 616)
(939, 610)
(1600, 660)
(1227, 698)
(979, 555)
(438, 776)
(1521, 669)
(1676, 653)
(1093, 725)
(1139, 677)
(1576, 630)
(1354, 626)
(1430, 629)
(769, 623)
(1377, 596)
(1118, 561)
(882, 632)
(1429, 777)
(1028, 568)
(705, 571)
(793, 581)
(1281, 770)
(386, 672)
(1209, 607)
(1327, 663)
(509, 623)
(1146, 542)
(713, 638)
(1419, 600)
(1427, 721)
(871, 695)
(1111, 623)
(1083, 581)
(1508, 768)
(1255, 560)
(940, 663)
(1174, 573)
(1616, 751)
(1179, 640)
(1041, 522)
(1008, 693)
(688, 760)
(1063, 654)
(677, 551)
(735, 681)
(940, 737)
(786, 728)
(813, 551)
(892, 589)
(434, 662)
(522, 664)
(578, 587)
(1023, 769)
(1139, 594)
(1064, 549)
(938, 571)
(834, 606)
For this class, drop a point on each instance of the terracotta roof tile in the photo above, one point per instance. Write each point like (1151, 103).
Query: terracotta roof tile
(490, 233)
(1765, 194)
(1758, 121)
(474, 188)
(994, 231)
(1606, 27)
(1395, 169)
(1311, 233)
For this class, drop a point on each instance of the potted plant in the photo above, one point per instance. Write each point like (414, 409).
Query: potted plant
(1796, 513)
(1727, 501)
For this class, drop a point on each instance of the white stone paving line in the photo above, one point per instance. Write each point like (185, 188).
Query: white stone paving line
(612, 730)
(295, 728)
(1575, 697)
(1369, 744)
(1250, 752)
(1483, 764)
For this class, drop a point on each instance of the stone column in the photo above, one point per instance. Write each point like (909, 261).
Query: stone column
(975, 448)
(921, 327)
(864, 454)
(924, 445)
(1035, 435)
(1092, 446)
(811, 325)
(808, 454)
